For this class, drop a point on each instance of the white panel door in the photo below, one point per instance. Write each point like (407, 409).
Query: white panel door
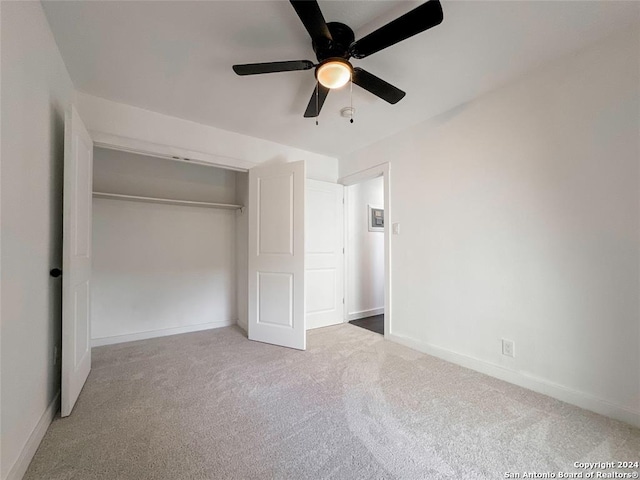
(276, 255)
(324, 260)
(76, 260)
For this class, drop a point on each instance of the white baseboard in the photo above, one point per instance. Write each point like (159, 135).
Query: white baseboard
(364, 314)
(17, 471)
(132, 337)
(540, 385)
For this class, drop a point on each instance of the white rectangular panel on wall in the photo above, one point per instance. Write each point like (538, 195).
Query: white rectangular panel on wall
(276, 255)
(76, 260)
(324, 256)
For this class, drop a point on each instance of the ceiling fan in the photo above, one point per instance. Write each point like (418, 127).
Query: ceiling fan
(334, 45)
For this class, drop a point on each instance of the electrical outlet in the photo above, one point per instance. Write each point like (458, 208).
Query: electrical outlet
(508, 348)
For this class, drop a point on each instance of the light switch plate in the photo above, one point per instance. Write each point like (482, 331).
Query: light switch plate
(396, 228)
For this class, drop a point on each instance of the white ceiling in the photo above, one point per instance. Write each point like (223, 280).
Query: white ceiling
(175, 58)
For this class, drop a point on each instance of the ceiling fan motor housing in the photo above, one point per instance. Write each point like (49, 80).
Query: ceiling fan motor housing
(342, 38)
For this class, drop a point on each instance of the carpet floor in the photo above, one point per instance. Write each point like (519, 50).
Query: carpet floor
(213, 405)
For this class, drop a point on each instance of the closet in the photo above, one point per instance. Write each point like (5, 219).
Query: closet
(166, 237)
(156, 244)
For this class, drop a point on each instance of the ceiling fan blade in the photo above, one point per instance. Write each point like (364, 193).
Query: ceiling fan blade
(377, 86)
(418, 20)
(272, 67)
(316, 101)
(312, 19)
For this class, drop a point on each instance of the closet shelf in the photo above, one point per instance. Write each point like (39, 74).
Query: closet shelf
(167, 201)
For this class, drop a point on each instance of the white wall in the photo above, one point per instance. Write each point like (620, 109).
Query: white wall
(161, 269)
(132, 174)
(202, 141)
(365, 251)
(36, 90)
(520, 219)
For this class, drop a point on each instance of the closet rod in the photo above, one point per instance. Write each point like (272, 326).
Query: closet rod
(167, 201)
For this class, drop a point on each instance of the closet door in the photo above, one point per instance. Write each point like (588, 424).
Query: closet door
(76, 260)
(276, 255)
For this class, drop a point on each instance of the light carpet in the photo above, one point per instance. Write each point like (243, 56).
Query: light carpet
(214, 405)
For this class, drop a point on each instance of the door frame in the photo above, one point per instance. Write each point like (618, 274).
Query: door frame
(382, 170)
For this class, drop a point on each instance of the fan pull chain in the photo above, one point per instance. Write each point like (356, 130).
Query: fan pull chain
(317, 101)
(351, 97)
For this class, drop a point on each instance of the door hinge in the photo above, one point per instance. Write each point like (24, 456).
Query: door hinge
(343, 250)
(343, 300)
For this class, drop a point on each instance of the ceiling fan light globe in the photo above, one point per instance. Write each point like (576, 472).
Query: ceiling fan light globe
(334, 74)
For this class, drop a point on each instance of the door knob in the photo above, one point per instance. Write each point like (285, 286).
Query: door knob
(55, 272)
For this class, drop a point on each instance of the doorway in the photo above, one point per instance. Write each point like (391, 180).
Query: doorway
(366, 249)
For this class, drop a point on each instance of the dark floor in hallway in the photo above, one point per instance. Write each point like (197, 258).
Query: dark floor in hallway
(374, 323)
